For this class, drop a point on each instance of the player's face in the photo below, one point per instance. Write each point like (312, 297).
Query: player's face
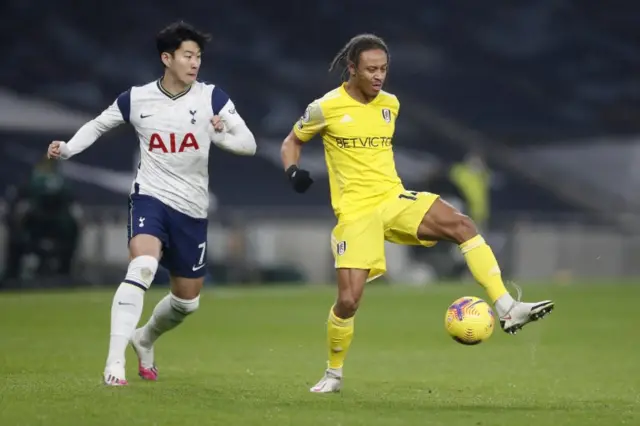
(372, 71)
(185, 62)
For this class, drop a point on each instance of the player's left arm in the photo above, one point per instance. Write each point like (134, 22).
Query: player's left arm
(396, 107)
(229, 131)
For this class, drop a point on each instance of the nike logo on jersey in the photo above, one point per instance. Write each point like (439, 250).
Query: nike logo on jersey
(145, 116)
(196, 268)
(346, 119)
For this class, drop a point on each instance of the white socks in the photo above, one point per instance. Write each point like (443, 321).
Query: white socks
(127, 309)
(167, 314)
(125, 314)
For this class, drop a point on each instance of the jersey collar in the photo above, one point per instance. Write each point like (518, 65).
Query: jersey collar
(343, 89)
(169, 95)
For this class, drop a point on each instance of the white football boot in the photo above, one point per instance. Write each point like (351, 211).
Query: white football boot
(522, 313)
(519, 314)
(114, 375)
(330, 382)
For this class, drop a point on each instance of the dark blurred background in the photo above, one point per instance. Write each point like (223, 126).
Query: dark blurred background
(525, 115)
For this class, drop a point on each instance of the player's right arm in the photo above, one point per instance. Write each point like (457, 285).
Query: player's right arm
(116, 114)
(310, 124)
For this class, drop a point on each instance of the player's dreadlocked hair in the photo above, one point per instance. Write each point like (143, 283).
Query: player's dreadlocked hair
(354, 47)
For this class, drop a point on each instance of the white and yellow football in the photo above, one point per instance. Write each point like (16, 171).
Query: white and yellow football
(469, 320)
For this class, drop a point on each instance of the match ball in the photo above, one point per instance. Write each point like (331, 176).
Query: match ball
(469, 320)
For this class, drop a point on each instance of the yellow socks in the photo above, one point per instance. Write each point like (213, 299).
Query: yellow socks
(484, 266)
(339, 337)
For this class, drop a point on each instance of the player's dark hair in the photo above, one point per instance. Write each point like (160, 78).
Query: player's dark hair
(171, 38)
(354, 47)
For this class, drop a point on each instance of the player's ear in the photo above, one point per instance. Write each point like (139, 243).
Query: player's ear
(165, 57)
(352, 69)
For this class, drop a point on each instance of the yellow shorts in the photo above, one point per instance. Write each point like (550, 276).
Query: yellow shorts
(360, 243)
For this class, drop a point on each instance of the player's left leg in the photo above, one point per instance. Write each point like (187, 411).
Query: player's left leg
(186, 260)
(443, 222)
(182, 300)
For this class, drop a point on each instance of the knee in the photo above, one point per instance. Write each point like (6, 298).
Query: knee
(184, 306)
(141, 271)
(186, 288)
(463, 229)
(346, 305)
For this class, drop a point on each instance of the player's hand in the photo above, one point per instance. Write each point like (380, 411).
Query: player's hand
(300, 179)
(217, 123)
(55, 150)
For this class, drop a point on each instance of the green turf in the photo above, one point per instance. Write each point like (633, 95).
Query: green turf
(249, 356)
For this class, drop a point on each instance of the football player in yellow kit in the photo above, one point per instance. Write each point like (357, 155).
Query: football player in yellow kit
(357, 123)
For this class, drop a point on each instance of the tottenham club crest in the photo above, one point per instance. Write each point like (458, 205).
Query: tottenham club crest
(386, 114)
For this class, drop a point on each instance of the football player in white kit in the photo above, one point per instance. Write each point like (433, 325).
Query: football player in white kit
(176, 118)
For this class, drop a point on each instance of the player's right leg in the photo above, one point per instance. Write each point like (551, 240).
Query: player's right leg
(128, 301)
(340, 326)
(359, 256)
(146, 233)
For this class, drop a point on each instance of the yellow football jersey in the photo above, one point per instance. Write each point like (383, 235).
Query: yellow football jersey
(358, 145)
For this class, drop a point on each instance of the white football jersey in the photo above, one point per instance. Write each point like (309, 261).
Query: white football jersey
(174, 132)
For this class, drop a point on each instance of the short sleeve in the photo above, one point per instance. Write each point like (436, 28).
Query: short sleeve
(311, 123)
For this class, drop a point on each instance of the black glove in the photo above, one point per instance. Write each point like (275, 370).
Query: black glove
(300, 179)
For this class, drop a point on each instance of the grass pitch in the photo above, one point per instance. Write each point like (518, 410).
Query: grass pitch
(249, 356)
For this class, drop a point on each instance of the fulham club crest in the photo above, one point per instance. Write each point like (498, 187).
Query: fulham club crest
(386, 114)
(341, 248)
